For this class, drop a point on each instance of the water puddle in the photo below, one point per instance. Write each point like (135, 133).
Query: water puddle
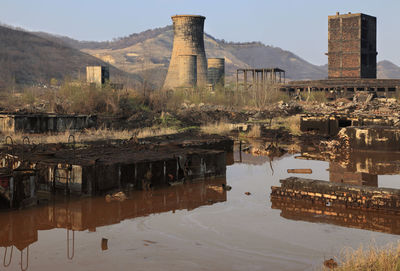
(202, 225)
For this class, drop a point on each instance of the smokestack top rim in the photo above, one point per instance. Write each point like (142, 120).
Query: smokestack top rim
(188, 16)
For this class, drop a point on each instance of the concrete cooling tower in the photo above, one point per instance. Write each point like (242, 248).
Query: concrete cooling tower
(216, 71)
(188, 43)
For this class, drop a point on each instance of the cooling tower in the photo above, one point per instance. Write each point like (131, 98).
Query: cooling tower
(187, 66)
(188, 40)
(216, 71)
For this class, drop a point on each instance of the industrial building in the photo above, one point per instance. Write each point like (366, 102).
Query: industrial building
(97, 75)
(351, 60)
(352, 46)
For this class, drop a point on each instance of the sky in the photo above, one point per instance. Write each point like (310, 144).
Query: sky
(300, 26)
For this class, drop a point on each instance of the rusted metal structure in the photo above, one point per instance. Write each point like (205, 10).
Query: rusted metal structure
(352, 46)
(259, 78)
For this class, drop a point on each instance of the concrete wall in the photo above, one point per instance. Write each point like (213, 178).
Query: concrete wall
(188, 40)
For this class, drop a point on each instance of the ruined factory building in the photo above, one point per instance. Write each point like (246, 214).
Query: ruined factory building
(352, 46)
(97, 75)
(351, 60)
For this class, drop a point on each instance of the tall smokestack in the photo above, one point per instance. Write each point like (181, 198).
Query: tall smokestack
(188, 40)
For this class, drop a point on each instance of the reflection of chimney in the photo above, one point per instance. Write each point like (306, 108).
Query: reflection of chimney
(188, 40)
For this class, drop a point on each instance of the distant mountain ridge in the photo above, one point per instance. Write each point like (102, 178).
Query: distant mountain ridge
(27, 59)
(147, 53)
(32, 57)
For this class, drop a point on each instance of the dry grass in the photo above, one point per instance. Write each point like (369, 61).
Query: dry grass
(255, 132)
(92, 135)
(221, 128)
(291, 123)
(372, 258)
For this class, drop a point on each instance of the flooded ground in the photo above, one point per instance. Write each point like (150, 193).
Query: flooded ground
(195, 226)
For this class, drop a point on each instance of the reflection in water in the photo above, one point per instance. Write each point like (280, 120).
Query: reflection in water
(19, 229)
(340, 174)
(358, 167)
(351, 218)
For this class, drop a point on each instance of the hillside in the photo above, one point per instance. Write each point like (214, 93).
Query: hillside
(148, 54)
(26, 58)
(387, 69)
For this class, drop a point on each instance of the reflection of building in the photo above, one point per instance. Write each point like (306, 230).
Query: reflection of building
(357, 167)
(20, 228)
(339, 174)
(351, 218)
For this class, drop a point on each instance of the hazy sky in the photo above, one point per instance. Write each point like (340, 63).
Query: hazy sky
(299, 26)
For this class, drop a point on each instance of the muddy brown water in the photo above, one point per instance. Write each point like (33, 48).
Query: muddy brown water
(195, 226)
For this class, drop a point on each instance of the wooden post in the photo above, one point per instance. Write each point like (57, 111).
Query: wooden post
(237, 80)
(245, 79)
